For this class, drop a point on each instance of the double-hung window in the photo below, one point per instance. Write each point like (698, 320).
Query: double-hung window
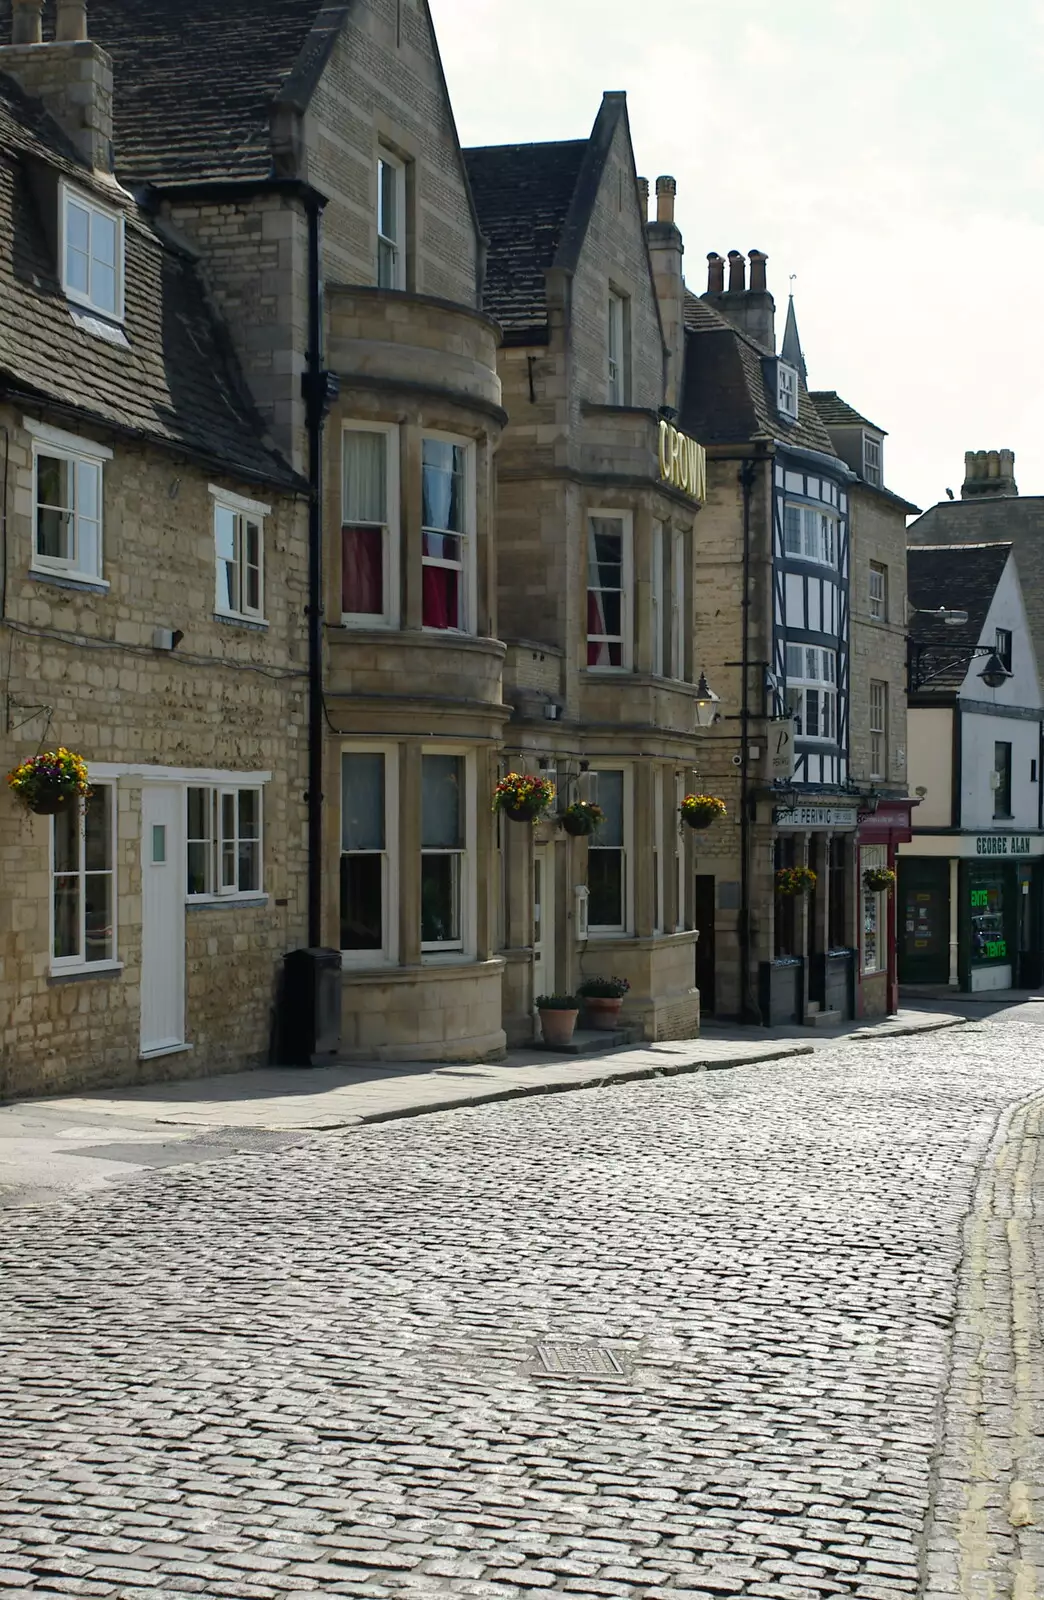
(239, 549)
(448, 587)
(67, 503)
(878, 592)
(812, 690)
(810, 533)
(83, 882)
(616, 349)
(370, 526)
(444, 854)
(878, 729)
(368, 820)
(608, 875)
(609, 590)
(223, 841)
(668, 597)
(786, 390)
(391, 222)
(92, 254)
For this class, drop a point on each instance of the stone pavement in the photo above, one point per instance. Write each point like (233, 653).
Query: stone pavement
(686, 1337)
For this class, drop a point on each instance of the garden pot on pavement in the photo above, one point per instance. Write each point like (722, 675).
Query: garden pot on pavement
(557, 1026)
(602, 1012)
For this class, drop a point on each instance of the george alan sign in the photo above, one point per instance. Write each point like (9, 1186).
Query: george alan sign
(683, 462)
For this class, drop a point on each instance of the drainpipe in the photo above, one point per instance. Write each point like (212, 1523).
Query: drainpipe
(749, 1009)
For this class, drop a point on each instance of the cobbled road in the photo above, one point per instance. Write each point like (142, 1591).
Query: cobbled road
(688, 1337)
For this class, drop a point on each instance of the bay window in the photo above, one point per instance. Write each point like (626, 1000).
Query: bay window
(609, 600)
(810, 533)
(369, 526)
(448, 535)
(812, 690)
(368, 821)
(607, 857)
(443, 852)
(83, 887)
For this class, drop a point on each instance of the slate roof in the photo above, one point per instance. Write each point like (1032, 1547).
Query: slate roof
(175, 382)
(960, 577)
(523, 195)
(726, 391)
(194, 79)
(837, 413)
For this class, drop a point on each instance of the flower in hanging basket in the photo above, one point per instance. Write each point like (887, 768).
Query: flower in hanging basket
(700, 810)
(50, 782)
(523, 797)
(795, 880)
(603, 988)
(581, 818)
(877, 879)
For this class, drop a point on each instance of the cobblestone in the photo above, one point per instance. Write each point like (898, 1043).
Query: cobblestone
(316, 1373)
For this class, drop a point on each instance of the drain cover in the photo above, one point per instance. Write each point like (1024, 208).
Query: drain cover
(583, 1360)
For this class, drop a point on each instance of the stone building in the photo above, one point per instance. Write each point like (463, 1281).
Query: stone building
(152, 578)
(775, 564)
(597, 527)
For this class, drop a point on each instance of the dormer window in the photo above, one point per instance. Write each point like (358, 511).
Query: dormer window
(92, 254)
(787, 390)
(871, 459)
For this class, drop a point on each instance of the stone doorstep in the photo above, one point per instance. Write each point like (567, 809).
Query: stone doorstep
(822, 1019)
(592, 1042)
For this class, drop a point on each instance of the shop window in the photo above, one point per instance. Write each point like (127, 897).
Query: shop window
(239, 541)
(1003, 648)
(875, 911)
(616, 350)
(443, 852)
(391, 222)
(83, 888)
(878, 591)
(811, 533)
(987, 910)
(67, 504)
(370, 527)
(785, 918)
(607, 857)
(609, 590)
(812, 690)
(366, 870)
(1002, 779)
(448, 534)
(837, 903)
(871, 459)
(92, 254)
(223, 834)
(878, 729)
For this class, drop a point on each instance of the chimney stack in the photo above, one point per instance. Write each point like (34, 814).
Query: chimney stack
(715, 273)
(988, 473)
(70, 75)
(643, 197)
(665, 252)
(737, 272)
(751, 310)
(758, 283)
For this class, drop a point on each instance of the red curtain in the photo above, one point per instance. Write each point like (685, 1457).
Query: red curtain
(362, 571)
(441, 597)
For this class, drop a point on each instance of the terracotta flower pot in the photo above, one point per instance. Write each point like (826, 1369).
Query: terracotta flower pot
(602, 1012)
(557, 1026)
(49, 802)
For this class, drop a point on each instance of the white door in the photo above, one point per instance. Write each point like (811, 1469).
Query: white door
(162, 920)
(543, 920)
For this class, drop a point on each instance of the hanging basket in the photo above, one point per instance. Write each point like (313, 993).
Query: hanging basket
(45, 804)
(528, 811)
(523, 797)
(795, 880)
(50, 782)
(876, 880)
(582, 818)
(700, 810)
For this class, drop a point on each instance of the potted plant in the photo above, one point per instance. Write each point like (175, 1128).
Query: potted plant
(523, 797)
(700, 810)
(602, 999)
(558, 1013)
(583, 817)
(50, 782)
(877, 879)
(795, 880)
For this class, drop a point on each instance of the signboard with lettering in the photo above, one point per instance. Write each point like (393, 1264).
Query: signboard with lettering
(683, 462)
(815, 817)
(1002, 844)
(779, 749)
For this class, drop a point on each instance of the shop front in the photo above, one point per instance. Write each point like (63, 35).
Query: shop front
(970, 911)
(811, 973)
(881, 831)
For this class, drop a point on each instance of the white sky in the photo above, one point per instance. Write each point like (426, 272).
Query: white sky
(890, 154)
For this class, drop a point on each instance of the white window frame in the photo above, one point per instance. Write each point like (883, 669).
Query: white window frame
(819, 534)
(659, 852)
(659, 619)
(62, 446)
(388, 955)
(787, 390)
(244, 511)
(462, 949)
(625, 928)
(878, 720)
(391, 559)
(79, 963)
(71, 196)
(626, 640)
(873, 856)
(872, 459)
(877, 588)
(823, 684)
(216, 891)
(677, 596)
(616, 349)
(468, 565)
(398, 245)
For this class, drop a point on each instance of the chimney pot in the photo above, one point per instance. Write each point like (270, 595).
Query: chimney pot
(988, 472)
(71, 21)
(715, 273)
(757, 259)
(26, 21)
(666, 189)
(643, 196)
(737, 272)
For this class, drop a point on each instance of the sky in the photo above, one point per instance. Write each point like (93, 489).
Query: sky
(889, 155)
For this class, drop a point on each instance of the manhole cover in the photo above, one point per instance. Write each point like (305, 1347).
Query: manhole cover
(579, 1360)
